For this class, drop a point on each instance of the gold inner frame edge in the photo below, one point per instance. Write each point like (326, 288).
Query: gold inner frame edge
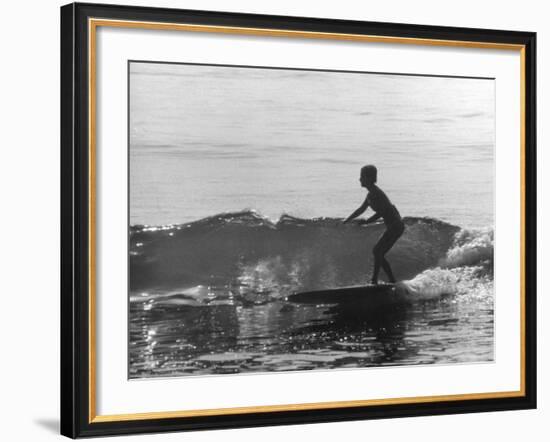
(93, 23)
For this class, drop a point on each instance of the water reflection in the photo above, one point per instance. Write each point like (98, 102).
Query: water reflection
(171, 339)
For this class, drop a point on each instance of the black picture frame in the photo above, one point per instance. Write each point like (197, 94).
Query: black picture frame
(76, 417)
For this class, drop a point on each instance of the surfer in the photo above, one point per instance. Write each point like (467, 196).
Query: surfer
(383, 208)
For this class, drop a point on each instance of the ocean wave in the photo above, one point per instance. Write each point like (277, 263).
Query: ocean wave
(256, 258)
(465, 270)
(471, 247)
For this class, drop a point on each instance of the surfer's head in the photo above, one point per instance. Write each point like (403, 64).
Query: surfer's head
(368, 175)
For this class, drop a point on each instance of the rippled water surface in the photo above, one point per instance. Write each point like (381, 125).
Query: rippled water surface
(278, 336)
(210, 139)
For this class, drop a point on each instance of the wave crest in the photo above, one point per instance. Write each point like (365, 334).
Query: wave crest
(251, 252)
(471, 247)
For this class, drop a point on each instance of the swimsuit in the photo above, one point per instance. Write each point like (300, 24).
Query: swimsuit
(380, 203)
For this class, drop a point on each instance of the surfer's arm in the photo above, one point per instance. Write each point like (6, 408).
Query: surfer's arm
(373, 218)
(359, 211)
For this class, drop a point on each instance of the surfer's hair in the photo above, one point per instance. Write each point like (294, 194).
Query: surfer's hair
(370, 171)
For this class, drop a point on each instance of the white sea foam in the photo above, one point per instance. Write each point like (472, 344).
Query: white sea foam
(471, 247)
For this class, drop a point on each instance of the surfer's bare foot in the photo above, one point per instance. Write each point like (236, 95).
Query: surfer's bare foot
(374, 282)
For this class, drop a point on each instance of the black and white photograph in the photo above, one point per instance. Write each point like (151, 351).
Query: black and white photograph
(292, 219)
(275, 221)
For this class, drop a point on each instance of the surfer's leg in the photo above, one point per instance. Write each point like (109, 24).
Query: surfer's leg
(374, 279)
(387, 269)
(378, 252)
(383, 246)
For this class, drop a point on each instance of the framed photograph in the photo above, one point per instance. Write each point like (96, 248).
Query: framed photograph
(274, 220)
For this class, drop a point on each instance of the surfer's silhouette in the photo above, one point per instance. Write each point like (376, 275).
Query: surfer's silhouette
(383, 208)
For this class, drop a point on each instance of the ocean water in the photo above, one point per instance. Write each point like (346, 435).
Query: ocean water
(239, 178)
(206, 140)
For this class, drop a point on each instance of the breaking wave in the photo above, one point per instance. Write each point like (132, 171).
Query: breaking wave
(248, 255)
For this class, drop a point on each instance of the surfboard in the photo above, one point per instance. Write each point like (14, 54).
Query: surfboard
(367, 294)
